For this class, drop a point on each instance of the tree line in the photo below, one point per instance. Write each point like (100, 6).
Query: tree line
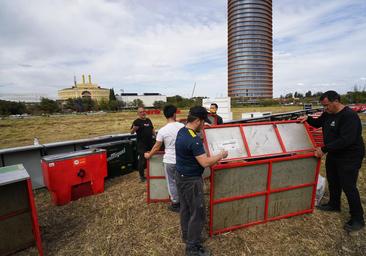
(49, 106)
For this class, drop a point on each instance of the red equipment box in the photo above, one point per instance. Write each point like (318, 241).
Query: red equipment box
(18, 217)
(74, 175)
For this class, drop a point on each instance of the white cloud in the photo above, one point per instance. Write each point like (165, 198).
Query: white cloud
(165, 46)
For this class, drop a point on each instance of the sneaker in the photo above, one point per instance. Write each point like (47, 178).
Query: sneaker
(354, 225)
(142, 179)
(174, 207)
(197, 250)
(328, 208)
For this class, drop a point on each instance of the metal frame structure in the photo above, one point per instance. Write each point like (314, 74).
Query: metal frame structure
(267, 192)
(261, 159)
(246, 144)
(30, 156)
(150, 177)
(31, 208)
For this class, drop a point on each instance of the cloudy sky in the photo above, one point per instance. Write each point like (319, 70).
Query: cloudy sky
(167, 45)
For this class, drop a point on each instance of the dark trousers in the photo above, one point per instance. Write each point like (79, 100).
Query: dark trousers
(342, 174)
(141, 165)
(192, 208)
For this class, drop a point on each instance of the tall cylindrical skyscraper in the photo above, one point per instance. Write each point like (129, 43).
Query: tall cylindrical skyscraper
(250, 73)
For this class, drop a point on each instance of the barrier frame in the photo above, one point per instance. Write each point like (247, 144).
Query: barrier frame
(266, 193)
(149, 177)
(245, 141)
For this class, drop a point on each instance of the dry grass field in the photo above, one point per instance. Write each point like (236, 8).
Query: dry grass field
(120, 222)
(21, 132)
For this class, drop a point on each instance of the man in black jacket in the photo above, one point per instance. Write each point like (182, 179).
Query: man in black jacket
(344, 146)
(144, 129)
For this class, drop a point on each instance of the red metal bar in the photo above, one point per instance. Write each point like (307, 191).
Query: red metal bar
(234, 198)
(205, 141)
(279, 138)
(212, 182)
(157, 177)
(36, 232)
(291, 214)
(244, 138)
(263, 161)
(148, 180)
(307, 127)
(291, 188)
(316, 183)
(269, 177)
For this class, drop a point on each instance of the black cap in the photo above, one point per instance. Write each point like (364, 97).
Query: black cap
(199, 112)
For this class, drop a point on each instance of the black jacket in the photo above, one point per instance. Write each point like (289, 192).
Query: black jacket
(342, 133)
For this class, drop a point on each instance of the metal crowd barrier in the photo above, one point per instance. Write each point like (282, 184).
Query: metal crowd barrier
(30, 156)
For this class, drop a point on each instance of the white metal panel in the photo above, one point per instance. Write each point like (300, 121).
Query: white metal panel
(262, 140)
(156, 166)
(158, 189)
(294, 136)
(227, 138)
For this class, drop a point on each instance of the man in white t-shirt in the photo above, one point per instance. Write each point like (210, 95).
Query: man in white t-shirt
(167, 135)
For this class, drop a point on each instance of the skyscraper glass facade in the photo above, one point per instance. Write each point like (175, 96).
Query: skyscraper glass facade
(250, 73)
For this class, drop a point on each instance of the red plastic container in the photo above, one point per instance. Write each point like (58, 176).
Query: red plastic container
(74, 175)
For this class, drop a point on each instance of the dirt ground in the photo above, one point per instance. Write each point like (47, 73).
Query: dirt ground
(120, 222)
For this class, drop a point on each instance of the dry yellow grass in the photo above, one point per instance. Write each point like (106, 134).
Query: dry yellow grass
(21, 132)
(119, 222)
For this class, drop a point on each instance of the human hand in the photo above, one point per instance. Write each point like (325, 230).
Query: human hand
(135, 127)
(303, 119)
(224, 153)
(319, 153)
(147, 155)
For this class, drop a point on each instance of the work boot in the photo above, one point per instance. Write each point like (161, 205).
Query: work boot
(142, 179)
(197, 250)
(328, 208)
(354, 225)
(174, 207)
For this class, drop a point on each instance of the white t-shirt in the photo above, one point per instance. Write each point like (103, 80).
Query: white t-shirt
(168, 134)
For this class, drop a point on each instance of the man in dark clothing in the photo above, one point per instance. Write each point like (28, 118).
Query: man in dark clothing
(213, 111)
(344, 146)
(191, 160)
(145, 131)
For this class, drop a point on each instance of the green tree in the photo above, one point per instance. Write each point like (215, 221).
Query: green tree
(113, 105)
(159, 104)
(308, 94)
(103, 105)
(49, 106)
(137, 103)
(112, 95)
(12, 108)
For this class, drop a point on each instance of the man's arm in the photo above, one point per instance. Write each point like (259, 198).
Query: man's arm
(134, 127)
(206, 161)
(315, 122)
(155, 149)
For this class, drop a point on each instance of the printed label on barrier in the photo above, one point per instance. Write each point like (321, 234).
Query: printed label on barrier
(116, 155)
(80, 161)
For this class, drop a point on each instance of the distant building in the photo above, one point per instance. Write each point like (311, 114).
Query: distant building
(148, 99)
(26, 97)
(84, 90)
(250, 74)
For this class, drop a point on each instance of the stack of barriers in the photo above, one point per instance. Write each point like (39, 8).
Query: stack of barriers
(270, 173)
